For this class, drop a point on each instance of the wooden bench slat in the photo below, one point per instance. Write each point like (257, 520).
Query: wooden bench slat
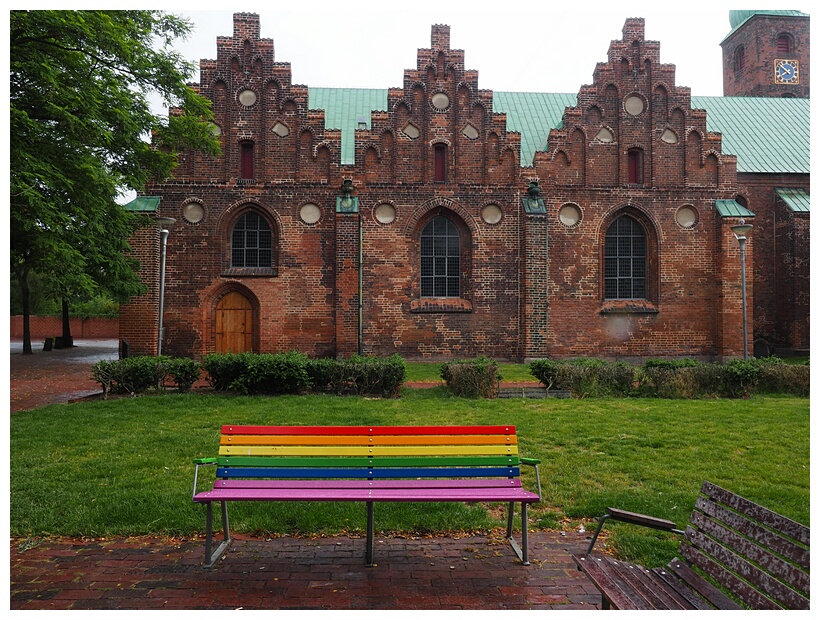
(686, 597)
(746, 549)
(709, 592)
(481, 494)
(372, 472)
(430, 483)
(365, 450)
(365, 440)
(769, 518)
(762, 535)
(616, 592)
(643, 586)
(365, 461)
(724, 566)
(229, 429)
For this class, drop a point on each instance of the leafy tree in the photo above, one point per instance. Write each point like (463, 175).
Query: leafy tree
(81, 132)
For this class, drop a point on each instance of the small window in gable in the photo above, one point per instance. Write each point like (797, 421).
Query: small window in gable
(440, 151)
(635, 166)
(246, 162)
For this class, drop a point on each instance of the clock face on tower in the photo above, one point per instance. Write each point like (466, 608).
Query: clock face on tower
(786, 72)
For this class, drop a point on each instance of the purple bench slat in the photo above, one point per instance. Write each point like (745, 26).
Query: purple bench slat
(371, 495)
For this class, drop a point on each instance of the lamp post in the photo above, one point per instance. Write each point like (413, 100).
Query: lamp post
(165, 225)
(740, 230)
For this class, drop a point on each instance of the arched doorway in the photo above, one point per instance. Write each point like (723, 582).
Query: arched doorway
(234, 324)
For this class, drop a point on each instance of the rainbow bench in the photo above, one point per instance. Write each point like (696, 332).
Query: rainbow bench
(367, 464)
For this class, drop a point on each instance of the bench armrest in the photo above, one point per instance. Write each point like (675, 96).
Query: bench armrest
(533, 463)
(203, 462)
(635, 519)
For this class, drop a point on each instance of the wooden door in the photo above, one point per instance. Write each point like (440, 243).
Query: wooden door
(234, 324)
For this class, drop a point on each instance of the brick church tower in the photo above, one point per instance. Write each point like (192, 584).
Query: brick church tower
(766, 54)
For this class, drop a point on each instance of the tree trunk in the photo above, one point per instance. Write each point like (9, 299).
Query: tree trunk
(22, 278)
(66, 340)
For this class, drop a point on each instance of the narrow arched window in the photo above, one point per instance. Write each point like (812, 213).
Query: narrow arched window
(440, 259)
(246, 163)
(784, 44)
(625, 260)
(635, 166)
(740, 59)
(251, 242)
(440, 153)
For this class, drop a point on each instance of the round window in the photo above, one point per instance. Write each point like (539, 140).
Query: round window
(310, 213)
(491, 214)
(634, 105)
(569, 215)
(193, 212)
(440, 101)
(247, 97)
(385, 213)
(686, 217)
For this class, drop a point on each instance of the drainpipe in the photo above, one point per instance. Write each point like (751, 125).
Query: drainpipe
(361, 283)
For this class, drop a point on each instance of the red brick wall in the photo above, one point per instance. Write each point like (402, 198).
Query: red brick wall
(48, 326)
(531, 287)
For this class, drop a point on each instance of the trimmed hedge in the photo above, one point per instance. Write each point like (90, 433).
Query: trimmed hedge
(677, 378)
(476, 378)
(253, 373)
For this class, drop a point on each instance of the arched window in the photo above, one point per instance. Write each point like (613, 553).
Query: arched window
(251, 242)
(740, 59)
(246, 163)
(440, 259)
(635, 166)
(784, 44)
(440, 151)
(625, 266)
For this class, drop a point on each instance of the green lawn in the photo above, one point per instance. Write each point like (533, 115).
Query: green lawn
(123, 466)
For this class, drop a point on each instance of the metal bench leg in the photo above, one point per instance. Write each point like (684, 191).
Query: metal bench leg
(211, 557)
(369, 547)
(523, 554)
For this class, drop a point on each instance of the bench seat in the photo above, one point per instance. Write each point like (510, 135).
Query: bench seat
(369, 465)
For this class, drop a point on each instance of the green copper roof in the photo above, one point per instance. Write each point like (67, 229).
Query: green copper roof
(797, 200)
(344, 107)
(738, 18)
(732, 208)
(768, 135)
(143, 203)
(533, 115)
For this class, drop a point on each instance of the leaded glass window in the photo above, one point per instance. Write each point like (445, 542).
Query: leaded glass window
(625, 260)
(251, 242)
(440, 259)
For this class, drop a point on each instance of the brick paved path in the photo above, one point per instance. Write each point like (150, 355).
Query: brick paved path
(472, 572)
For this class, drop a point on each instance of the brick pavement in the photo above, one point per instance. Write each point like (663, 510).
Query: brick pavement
(471, 572)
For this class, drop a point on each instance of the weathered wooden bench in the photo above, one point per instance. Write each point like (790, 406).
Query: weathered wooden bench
(367, 464)
(735, 554)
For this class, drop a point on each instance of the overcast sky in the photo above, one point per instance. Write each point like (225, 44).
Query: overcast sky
(515, 45)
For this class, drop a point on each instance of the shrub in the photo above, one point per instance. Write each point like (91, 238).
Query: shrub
(477, 378)
(224, 368)
(361, 375)
(780, 378)
(586, 376)
(273, 373)
(184, 372)
(131, 375)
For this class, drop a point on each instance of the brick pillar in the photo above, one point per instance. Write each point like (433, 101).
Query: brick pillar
(139, 318)
(730, 303)
(535, 309)
(346, 308)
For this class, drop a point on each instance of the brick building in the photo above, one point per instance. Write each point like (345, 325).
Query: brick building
(442, 220)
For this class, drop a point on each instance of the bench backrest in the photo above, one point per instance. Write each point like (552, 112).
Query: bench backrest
(368, 452)
(759, 555)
